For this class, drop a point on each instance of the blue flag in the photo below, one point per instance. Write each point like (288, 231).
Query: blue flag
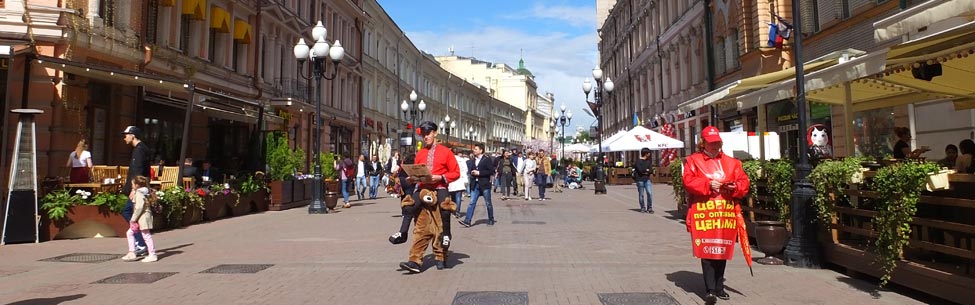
(636, 120)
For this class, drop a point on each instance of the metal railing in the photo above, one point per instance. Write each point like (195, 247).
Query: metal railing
(291, 87)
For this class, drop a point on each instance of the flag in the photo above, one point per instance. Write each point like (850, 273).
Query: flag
(636, 120)
(746, 248)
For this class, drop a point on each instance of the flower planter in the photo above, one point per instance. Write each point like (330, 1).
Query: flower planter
(215, 207)
(281, 192)
(84, 213)
(238, 205)
(298, 190)
(191, 215)
(770, 237)
(331, 199)
(259, 200)
(333, 186)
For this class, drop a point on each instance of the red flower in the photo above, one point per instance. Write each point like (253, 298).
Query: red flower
(200, 192)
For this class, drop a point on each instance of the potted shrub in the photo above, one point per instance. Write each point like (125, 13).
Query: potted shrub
(281, 169)
(253, 190)
(330, 178)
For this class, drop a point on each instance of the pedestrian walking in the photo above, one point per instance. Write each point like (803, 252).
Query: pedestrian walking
(482, 168)
(140, 222)
(541, 176)
(375, 171)
(80, 163)
(715, 183)
(518, 160)
(528, 167)
(443, 170)
(641, 175)
(138, 166)
(360, 178)
(457, 188)
(506, 171)
(346, 171)
(392, 171)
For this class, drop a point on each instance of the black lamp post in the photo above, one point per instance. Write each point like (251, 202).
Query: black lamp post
(415, 112)
(802, 249)
(597, 105)
(504, 143)
(564, 119)
(446, 125)
(551, 134)
(317, 54)
(469, 134)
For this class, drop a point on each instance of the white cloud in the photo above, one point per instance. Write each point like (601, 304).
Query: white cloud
(559, 61)
(580, 16)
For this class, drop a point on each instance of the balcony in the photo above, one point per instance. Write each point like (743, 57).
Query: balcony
(290, 87)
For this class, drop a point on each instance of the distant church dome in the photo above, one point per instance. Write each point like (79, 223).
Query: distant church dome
(522, 70)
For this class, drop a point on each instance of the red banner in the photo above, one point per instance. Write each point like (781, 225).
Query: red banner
(714, 228)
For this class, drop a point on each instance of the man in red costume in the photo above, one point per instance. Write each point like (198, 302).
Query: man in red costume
(715, 182)
(443, 170)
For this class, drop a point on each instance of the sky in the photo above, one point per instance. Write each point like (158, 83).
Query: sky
(557, 37)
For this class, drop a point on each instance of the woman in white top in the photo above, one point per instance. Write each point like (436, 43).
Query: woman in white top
(80, 162)
(459, 186)
(529, 174)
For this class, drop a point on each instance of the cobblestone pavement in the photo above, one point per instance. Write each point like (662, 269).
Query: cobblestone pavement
(567, 250)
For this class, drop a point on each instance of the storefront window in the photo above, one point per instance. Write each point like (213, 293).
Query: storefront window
(163, 131)
(784, 120)
(873, 132)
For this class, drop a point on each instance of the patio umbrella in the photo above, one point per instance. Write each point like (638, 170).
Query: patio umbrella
(746, 249)
(639, 137)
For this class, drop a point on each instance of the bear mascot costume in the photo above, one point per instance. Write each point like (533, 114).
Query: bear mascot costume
(428, 227)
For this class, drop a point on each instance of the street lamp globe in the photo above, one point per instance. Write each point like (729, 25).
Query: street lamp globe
(446, 118)
(597, 73)
(563, 104)
(319, 31)
(337, 52)
(422, 106)
(413, 96)
(441, 125)
(568, 114)
(586, 87)
(470, 129)
(404, 106)
(608, 85)
(321, 48)
(301, 50)
(453, 125)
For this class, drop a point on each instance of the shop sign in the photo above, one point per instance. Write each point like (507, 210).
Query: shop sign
(788, 127)
(369, 122)
(787, 117)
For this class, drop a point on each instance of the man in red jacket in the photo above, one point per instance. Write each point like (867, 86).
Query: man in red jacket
(443, 170)
(715, 183)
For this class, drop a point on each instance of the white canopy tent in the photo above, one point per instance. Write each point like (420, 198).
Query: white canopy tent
(639, 138)
(577, 148)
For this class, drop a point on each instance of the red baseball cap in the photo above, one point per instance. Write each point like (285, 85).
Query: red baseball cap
(711, 134)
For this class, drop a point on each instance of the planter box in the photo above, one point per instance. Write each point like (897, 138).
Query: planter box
(293, 191)
(259, 200)
(238, 207)
(281, 192)
(216, 207)
(79, 213)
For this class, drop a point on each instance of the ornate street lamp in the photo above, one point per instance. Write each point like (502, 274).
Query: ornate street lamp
(415, 112)
(317, 54)
(802, 249)
(596, 106)
(564, 119)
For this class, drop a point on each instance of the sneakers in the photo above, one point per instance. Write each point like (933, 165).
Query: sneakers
(410, 266)
(649, 211)
(723, 295)
(397, 238)
(490, 222)
(130, 257)
(441, 265)
(464, 223)
(347, 205)
(150, 258)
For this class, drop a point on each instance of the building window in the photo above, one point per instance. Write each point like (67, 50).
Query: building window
(238, 49)
(184, 35)
(106, 11)
(212, 47)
